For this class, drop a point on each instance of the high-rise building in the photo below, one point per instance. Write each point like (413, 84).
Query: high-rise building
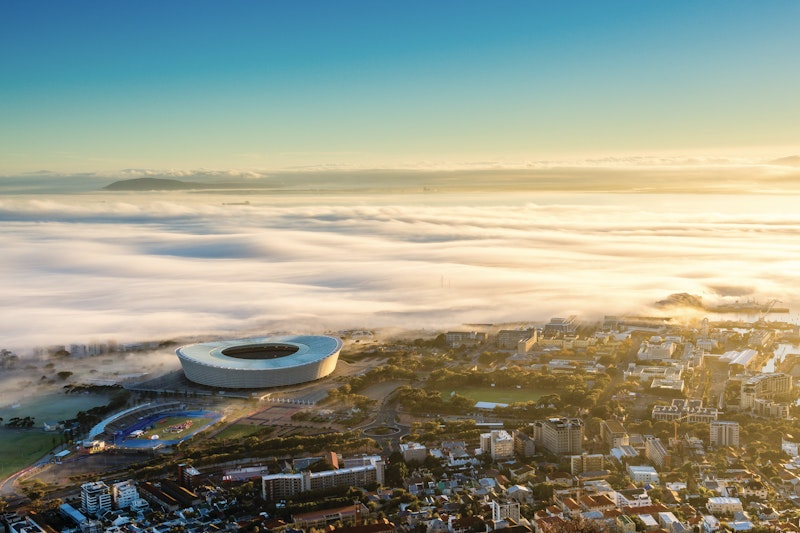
(586, 462)
(499, 443)
(95, 498)
(560, 435)
(614, 433)
(524, 445)
(654, 450)
(723, 433)
(763, 387)
(505, 511)
(124, 494)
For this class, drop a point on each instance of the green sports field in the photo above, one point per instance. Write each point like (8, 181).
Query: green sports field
(20, 448)
(238, 431)
(495, 394)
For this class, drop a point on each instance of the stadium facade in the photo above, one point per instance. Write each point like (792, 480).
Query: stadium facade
(261, 362)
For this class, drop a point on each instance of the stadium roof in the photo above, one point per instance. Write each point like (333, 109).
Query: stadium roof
(310, 349)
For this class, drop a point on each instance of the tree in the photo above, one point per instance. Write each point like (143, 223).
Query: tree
(396, 472)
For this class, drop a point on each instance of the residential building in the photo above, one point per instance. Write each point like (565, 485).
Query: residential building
(643, 474)
(505, 511)
(281, 486)
(561, 325)
(509, 339)
(586, 463)
(155, 496)
(614, 434)
(632, 498)
(524, 445)
(685, 410)
(413, 451)
(348, 515)
(498, 443)
(763, 387)
(656, 349)
(124, 494)
(560, 435)
(95, 498)
(723, 433)
(456, 339)
(791, 445)
(723, 505)
(655, 452)
(770, 409)
(188, 476)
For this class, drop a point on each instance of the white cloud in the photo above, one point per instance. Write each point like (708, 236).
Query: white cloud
(138, 267)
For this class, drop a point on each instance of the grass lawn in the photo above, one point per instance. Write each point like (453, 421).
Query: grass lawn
(164, 423)
(238, 431)
(496, 394)
(20, 448)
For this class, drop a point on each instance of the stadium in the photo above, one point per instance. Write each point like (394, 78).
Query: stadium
(260, 363)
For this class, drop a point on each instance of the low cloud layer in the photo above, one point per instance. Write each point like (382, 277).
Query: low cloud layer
(78, 268)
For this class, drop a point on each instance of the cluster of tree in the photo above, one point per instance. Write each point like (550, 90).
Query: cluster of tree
(260, 446)
(82, 388)
(19, 422)
(345, 394)
(422, 401)
(94, 415)
(434, 432)
(8, 360)
(387, 372)
(515, 376)
(492, 358)
(310, 501)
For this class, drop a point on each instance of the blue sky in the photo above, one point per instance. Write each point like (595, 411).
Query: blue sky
(99, 86)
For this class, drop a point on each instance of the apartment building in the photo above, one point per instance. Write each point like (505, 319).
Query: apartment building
(95, 498)
(722, 433)
(614, 434)
(498, 443)
(560, 435)
(281, 486)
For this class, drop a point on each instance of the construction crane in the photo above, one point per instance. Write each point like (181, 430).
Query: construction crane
(766, 310)
(675, 426)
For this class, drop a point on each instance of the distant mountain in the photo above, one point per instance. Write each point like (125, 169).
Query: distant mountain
(682, 300)
(154, 184)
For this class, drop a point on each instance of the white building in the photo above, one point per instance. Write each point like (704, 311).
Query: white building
(505, 511)
(499, 443)
(721, 504)
(643, 474)
(723, 433)
(763, 387)
(364, 471)
(124, 494)
(413, 451)
(791, 445)
(655, 451)
(656, 349)
(95, 498)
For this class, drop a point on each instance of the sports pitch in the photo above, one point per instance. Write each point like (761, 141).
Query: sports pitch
(495, 394)
(165, 429)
